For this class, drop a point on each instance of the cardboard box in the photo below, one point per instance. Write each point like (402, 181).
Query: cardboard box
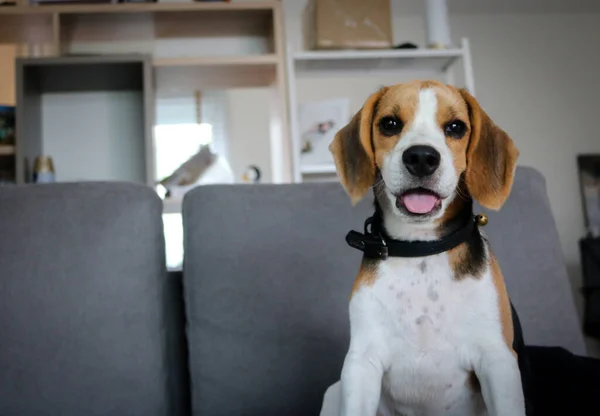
(348, 24)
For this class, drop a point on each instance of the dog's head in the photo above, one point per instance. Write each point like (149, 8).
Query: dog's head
(424, 145)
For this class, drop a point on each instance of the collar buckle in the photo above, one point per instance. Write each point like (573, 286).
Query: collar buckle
(376, 249)
(372, 246)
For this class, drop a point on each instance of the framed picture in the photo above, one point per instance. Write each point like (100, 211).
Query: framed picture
(319, 121)
(589, 180)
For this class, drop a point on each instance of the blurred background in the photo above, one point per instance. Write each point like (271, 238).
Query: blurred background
(175, 94)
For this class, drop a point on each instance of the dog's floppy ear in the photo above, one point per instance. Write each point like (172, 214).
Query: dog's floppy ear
(353, 152)
(491, 158)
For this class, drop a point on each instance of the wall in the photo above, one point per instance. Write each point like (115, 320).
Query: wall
(106, 124)
(535, 76)
(249, 135)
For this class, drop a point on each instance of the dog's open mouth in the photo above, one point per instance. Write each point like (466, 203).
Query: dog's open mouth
(419, 201)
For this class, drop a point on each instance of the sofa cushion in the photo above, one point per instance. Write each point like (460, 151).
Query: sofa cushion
(87, 316)
(268, 276)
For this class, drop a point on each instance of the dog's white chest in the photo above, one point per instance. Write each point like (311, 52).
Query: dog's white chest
(428, 322)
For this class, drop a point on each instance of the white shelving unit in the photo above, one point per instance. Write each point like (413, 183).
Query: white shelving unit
(421, 59)
(373, 63)
(191, 47)
(318, 169)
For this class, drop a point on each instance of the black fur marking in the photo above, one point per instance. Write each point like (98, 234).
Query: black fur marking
(473, 263)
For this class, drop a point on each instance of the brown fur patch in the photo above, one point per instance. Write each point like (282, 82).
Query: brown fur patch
(352, 151)
(491, 158)
(367, 273)
(459, 259)
(503, 304)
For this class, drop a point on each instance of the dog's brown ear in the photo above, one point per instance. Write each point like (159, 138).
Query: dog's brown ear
(353, 152)
(491, 158)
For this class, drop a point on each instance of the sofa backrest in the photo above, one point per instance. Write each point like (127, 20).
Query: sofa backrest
(88, 318)
(267, 281)
(524, 238)
(268, 276)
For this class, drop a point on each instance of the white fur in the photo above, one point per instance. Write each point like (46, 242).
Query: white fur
(417, 333)
(423, 130)
(415, 337)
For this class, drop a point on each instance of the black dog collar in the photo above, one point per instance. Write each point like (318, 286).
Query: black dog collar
(375, 244)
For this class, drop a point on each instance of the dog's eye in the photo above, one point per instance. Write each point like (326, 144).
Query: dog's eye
(390, 126)
(455, 129)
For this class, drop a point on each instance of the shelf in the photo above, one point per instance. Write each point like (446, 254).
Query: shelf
(133, 22)
(399, 59)
(85, 59)
(7, 150)
(68, 124)
(175, 77)
(139, 8)
(238, 60)
(324, 169)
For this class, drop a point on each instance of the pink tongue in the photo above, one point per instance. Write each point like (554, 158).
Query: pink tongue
(419, 203)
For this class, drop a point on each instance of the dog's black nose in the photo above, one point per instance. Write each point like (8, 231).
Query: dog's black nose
(421, 160)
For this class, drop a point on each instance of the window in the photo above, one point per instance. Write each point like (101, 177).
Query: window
(178, 136)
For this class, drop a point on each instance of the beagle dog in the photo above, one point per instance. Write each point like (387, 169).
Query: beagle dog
(430, 335)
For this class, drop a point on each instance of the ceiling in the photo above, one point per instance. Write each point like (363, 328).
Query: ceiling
(505, 6)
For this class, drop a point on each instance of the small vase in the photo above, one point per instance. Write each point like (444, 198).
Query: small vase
(438, 25)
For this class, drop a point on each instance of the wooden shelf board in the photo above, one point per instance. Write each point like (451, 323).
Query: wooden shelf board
(373, 60)
(87, 59)
(173, 81)
(7, 150)
(139, 7)
(239, 60)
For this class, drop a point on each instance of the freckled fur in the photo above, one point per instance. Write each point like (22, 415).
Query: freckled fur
(420, 340)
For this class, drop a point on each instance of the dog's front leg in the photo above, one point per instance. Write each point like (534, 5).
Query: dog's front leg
(368, 357)
(361, 382)
(500, 379)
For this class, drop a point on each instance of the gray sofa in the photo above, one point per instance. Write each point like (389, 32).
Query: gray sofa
(91, 323)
